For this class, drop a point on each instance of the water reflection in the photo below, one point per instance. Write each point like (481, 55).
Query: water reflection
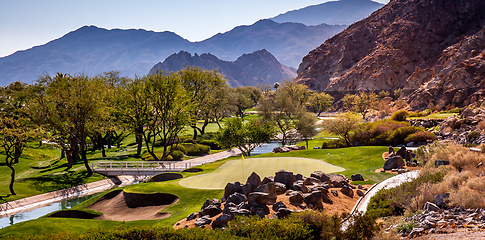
(39, 212)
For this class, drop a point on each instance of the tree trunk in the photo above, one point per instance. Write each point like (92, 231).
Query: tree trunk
(17, 153)
(109, 141)
(84, 158)
(63, 154)
(139, 139)
(12, 175)
(195, 131)
(202, 130)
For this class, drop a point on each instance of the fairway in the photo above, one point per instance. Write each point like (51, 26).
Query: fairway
(232, 171)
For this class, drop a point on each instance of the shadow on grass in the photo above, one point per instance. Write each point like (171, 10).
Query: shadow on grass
(53, 182)
(48, 166)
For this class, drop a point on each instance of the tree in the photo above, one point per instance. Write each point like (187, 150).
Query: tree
(199, 84)
(70, 107)
(168, 112)
(342, 125)
(284, 108)
(305, 127)
(246, 136)
(360, 103)
(244, 98)
(320, 102)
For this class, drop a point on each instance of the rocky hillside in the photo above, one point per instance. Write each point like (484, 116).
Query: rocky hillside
(334, 12)
(259, 67)
(434, 50)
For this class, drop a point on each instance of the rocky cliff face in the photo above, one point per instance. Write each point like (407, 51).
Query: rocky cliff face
(434, 50)
(259, 67)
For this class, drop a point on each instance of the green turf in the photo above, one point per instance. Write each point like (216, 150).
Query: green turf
(239, 170)
(436, 115)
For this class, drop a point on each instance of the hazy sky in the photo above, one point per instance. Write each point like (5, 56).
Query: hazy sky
(28, 23)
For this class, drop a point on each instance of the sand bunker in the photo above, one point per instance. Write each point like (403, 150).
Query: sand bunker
(121, 206)
(193, 170)
(74, 214)
(162, 177)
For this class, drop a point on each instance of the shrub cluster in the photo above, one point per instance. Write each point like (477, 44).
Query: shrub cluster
(194, 149)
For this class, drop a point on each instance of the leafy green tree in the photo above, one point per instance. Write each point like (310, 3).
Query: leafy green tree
(305, 127)
(168, 112)
(199, 84)
(244, 98)
(343, 125)
(69, 107)
(320, 102)
(246, 136)
(284, 108)
(360, 103)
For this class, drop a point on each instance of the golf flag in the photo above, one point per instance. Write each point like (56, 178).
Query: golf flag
(242, 157)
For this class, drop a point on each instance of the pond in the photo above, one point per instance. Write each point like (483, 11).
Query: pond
(39, 212)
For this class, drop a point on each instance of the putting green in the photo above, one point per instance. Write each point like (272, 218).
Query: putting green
(232, 171)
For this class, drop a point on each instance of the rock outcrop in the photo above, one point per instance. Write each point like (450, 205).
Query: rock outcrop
(433, 50)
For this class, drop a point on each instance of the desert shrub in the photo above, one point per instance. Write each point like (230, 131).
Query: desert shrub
(400, 104)
(321, 225)
(399, 135)
(422, 136)
(337, 143)
(257, 228)
(376, 133)
(177, 155)
(211, 143)
(179, 147)
(467, 198)
(472, 134)
(196, 149)
(477, 184)
(397, 93)
(400, 115)
(148, 157)
(454, 110)
(361, 227)
(382, 94)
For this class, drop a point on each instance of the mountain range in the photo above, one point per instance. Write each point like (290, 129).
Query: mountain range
(343, 12)
(259, 67)
(433, 50)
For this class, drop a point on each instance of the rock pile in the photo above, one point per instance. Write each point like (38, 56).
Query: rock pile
(436, 220)
(257, 196)
(288, 148)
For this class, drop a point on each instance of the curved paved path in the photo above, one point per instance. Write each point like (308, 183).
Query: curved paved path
(361, 205)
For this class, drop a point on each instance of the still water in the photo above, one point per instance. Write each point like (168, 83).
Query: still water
(39, 212)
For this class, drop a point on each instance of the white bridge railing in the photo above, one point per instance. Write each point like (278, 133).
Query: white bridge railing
(112, 168)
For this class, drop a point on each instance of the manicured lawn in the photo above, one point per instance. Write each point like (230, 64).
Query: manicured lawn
(232, 171)
(362, 160)
(436, 115)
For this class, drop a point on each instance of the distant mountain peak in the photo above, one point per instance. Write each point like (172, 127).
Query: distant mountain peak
(259, 67)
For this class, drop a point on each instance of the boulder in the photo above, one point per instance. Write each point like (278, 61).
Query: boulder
(269, 188)
(401, 152)
(441, 200)
(267, 180)
(299, 176)
(438, 163)
(192, 216)
(300, 186)
(467, 112)
(313, 197)
(236, 198)
(253, 181)
(278, 205)
(347, 191)
(430, 207)
(283, 212)
(326, 199)
(280, 188)
(221, 221)
(231, 188)
(241, 212)
(208, 202)
(338, 180)
(360, 193)
(334, 192)
(285, 177)
(393, 163)
(228, 207)
(357, 177)
(211, 210)
(261, 198)
(296, 198)
(259, 208)
(203, 221)
(323, 177)
(312, 181)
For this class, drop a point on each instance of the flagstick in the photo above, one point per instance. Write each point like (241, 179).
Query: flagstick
(242, 164)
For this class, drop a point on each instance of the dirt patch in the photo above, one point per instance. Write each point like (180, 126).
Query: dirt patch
(74, 214)
(341, 204)
(165, 177)
(193, 170)
(121, 206)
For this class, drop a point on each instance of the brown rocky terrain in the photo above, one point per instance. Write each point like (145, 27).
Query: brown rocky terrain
(434, 50)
